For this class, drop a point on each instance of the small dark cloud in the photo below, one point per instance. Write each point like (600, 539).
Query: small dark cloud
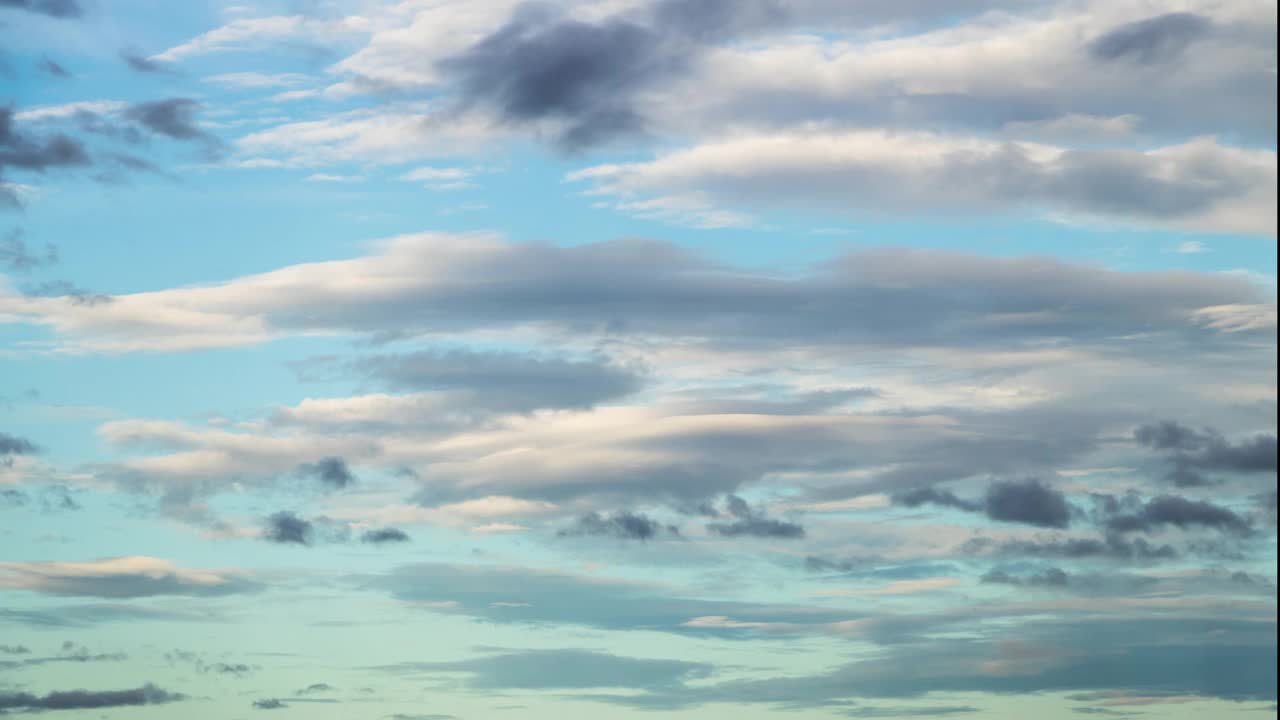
(15, 649)
(748, 521)
(52, 8)
(287, 528)
(1051, 577)
(622, 525)
(1180, 512)
(382, 536)
(68, 291)
(174, 118)
(934, 496)
(1030, 502)
(49, 67)
(16, 256)
(22, 152)
(142, 64)
(330, 471)
(1155, 39)
(269, 704)
(316, 688)
(87, 699)
(14, 445)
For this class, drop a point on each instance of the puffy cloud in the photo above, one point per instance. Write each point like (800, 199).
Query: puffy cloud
(1199, 184)
(447, 284)
(622, 525)
(1172, 510)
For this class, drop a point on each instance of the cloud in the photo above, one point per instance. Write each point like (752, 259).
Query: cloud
(174, 118)
(1192, 451)
(382, 536)
(505, 381)
(563, 669)
(87, 699)
(286, 528)
(1157, 39)
(1051, 577)
(249, 33)
(330, 471)
(52, 8)
(142, 64)
(23, 152)
(15, 256)
(123, 577)
(622, 525)
(49, 67)
(1198, 185)
(269, 704)
(513, 595)
(1030, 502)
(651, 288)
(14, 445)
(1112, 547)
(1180, 512)
(749, 522)
(934, 496)
(586, 77)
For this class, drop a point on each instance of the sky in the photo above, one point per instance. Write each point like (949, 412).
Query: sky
(483, 359)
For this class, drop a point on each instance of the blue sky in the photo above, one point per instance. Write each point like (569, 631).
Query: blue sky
(461, 359)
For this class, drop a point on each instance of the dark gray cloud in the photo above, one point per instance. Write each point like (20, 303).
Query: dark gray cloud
(588, 77)
(1050, 577)
(1112, 547)
(1180, 512)
(329, 471)
(23, 152)
(68, 290)
(70, 653)
(52, 8)
(174, 118)
(16, 256)
(287, 528)
(87, 699)
(1030, 502)
(269, 704)
(934, 496)
(382, 536)
(14, 650)
(505, 381)
(142, 64)
(750, 522)
(49, 67)
(623, 525)
(1155, 39)
(14, 445)
(1191, 453)
(564, 670)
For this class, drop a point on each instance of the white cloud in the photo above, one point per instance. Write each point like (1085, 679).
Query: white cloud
(1199, 185)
